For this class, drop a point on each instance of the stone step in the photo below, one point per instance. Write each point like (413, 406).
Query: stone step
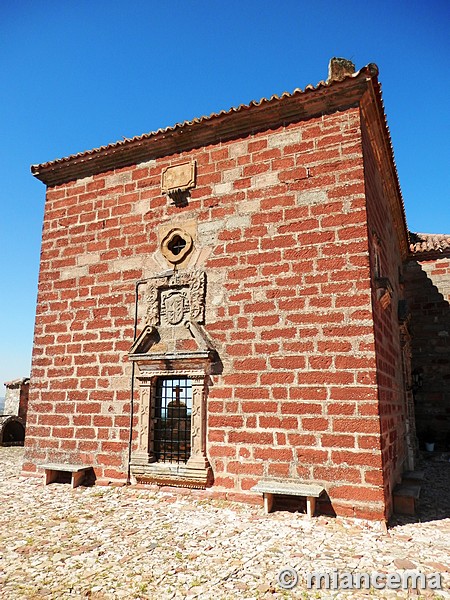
(405, 496)
(413, 477)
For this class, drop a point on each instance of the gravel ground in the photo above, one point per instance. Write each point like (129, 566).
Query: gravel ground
(123, 542)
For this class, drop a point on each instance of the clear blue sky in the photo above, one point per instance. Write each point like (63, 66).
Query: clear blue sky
(80, 74)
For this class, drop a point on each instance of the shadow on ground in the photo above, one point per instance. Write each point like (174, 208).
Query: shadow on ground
(434, 501)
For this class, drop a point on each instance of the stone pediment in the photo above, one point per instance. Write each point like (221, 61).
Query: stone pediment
(146, 339)
(184, 341)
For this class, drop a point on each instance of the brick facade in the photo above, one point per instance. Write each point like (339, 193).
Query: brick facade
(297, 223)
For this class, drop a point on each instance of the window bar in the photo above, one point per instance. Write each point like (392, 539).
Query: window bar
(173, 409)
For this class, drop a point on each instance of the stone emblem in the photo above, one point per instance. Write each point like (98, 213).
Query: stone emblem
(174, 305)
(176, 296)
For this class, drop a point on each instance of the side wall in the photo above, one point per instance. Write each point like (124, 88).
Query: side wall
(428, 291)
(281, 232)
(387, 264)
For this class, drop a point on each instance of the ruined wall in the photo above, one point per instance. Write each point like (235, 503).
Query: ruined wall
(280, 229)
(12, 397)
(16, 398)
(427, 279)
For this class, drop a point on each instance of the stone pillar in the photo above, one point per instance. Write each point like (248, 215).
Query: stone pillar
(144, 452)
(197, 459)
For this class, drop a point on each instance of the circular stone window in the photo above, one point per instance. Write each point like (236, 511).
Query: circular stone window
(176, 245)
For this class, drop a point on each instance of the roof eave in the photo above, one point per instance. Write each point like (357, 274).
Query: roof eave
(373, 107)
(429, 246)
(237, 122)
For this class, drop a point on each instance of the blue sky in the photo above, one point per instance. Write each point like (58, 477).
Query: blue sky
(77, 75)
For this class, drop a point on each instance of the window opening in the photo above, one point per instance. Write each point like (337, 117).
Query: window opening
(173, 409)
(176, 245)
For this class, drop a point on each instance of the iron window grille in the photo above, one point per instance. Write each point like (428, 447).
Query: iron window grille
(172, 426)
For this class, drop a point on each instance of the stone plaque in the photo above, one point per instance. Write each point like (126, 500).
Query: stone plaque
(178, 177)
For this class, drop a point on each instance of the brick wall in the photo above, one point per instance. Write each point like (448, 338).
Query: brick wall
(428, 290)
(389, 368)
(282, 235)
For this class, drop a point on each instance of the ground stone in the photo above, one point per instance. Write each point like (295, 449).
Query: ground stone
(108, 543)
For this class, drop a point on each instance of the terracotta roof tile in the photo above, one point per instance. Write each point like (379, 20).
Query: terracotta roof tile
(370, 71)
(429, 242)
(16, 382)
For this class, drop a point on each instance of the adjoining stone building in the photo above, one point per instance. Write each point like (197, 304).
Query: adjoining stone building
(13, 417)
(427, 285)
(223, 301)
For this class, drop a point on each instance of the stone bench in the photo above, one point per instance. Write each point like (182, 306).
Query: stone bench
(289, 487)
(77, 472)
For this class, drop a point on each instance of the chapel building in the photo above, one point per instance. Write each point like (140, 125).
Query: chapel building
(223, 302)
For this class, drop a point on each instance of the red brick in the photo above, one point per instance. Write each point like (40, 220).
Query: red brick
(374, 477)
(252, 364)
(288, 362)
(273, 454)
(369, 442)
(301, 408)
(357, 493)
(336, 440)
(307, 393)
(216, 435)
(247, 437)
(279, 469)
(241, 379)
(265, 320)
(63, 432)
(235, 421)
(301, 439)
(356, 425)
(255, 393)
(315, 424)
(362, 459)
(259, 407)
(311, 456)
(217, 451)
(353, 392)
(341, 474)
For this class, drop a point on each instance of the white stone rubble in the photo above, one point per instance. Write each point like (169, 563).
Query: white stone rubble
(127, 543)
